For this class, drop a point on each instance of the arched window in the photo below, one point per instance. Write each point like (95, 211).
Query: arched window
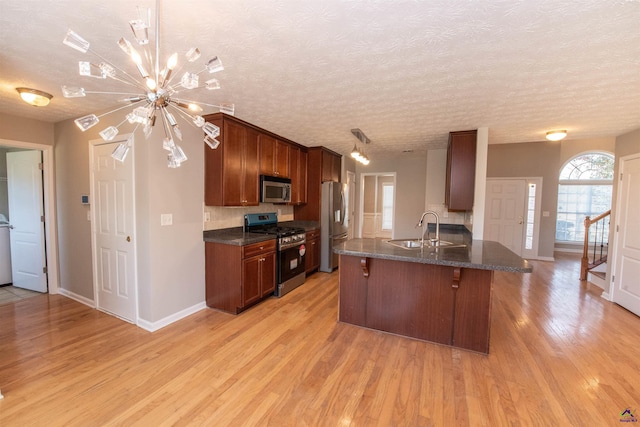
(585, 186)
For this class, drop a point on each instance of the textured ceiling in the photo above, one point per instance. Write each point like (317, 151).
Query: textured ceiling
(405, 72)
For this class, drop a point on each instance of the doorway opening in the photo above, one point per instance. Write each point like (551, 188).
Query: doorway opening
(377, 204)
(49, 240)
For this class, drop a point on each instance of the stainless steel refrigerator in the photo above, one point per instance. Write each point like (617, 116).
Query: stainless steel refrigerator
(333, 223)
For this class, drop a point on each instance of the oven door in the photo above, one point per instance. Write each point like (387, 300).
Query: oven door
(291, 262)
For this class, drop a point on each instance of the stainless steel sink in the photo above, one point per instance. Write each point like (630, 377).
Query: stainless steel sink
(417, 244)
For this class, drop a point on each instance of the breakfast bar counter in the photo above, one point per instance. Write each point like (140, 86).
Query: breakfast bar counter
(441, 295)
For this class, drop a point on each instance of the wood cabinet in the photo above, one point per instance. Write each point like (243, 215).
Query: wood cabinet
(312, 257)
(237, 277)
(298, 171)
(322, 165)
(443, 304)
(461, 171)
(331, 166)
(274, 157)
(231, 170)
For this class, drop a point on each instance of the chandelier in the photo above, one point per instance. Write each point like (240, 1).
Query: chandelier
(358, 155)
(155, 94)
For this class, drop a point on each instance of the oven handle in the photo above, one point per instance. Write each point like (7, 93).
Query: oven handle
(292, 245)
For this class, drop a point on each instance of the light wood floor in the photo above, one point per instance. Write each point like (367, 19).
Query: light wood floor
(560, 355)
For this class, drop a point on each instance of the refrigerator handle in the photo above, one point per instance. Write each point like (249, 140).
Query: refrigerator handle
(343, 214)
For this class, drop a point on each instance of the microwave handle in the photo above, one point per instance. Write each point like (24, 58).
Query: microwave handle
(287, 193)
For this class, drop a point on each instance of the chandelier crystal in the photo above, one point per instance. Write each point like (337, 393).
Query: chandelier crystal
(155, 93)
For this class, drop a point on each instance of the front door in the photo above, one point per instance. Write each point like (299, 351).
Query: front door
(627, 258)
(504, 216)
(26, 210)
(113, 232)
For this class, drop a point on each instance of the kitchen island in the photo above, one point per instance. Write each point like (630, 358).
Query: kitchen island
(440, 295)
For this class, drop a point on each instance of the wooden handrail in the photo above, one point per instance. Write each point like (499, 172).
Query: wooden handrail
(585, 265)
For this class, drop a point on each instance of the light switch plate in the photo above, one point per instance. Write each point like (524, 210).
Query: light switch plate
(545, 213)
(207, 216)
(166, 219)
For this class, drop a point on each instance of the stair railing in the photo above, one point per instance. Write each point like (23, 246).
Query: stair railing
(595, 253)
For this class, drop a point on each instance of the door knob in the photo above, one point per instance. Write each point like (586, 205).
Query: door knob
(521, 220)
(128, 238)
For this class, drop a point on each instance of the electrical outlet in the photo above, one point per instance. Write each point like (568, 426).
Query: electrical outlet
(88, 215)
(545, 213)
(207, 216)
(166, 219)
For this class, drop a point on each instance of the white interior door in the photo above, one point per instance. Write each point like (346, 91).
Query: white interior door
(114, 233)
(26, 210)
(504, 217)
(627, 249)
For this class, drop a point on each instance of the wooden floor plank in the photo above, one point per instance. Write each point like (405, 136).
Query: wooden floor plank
(559, 355)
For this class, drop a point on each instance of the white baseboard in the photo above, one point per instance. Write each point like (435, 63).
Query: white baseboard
(84, 300)
(543, 258)
(154, 326)
(606, 296)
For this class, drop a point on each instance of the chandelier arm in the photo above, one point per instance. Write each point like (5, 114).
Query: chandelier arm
(181, 111)
(157, 35)
(117, 109)
(165, 124)
(135, 81)
(197, 102)
(112, 93)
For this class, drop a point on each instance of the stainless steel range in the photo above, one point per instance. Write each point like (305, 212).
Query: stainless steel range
(290, 249)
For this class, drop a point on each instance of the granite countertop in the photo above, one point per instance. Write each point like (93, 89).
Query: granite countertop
(238, 237)
(307, 225)
(235, 236)
(479, 254)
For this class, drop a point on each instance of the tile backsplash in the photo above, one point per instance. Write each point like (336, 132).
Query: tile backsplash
(227, 217)
(447, 217)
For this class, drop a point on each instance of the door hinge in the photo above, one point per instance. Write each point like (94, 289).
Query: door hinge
(620, 176)
(45, 270)
(42, 218)
(613, 278)
(41, 166)
(617, 228)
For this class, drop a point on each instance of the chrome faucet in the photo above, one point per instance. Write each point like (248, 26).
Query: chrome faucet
(422, 222)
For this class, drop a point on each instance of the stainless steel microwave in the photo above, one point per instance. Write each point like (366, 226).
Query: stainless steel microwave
(274, 189)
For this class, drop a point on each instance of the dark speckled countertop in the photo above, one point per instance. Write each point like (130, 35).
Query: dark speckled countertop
(479, 254)
(236, 235)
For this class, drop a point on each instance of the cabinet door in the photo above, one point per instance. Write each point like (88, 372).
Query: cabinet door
(233, 176)
(268, 273)
(281, 165)
(312, 257)
(336, 168)
(251, 291)
(298, 172)
(302, 178)
(327, 166)
(251, 176)
(461, 171)
(267, 154)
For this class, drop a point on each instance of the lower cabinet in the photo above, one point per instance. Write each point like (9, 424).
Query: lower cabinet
(438, 303)
(239, 276)
(312, 258)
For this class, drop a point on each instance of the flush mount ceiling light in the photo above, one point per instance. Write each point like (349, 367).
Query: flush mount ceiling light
(356, 153)
(153, 94)
(556, 135)
(34, 97)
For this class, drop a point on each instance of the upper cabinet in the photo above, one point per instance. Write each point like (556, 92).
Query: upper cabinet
(331, 166)
(231, 171)
(461, 171)
(298, 170)
(322, 165)
(274, 157)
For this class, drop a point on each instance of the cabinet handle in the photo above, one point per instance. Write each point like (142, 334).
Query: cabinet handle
(261, 247)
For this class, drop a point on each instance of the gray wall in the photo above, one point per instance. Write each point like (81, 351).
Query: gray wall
(532, 159)
(4, 202)
(410, 172)
(170, 258)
